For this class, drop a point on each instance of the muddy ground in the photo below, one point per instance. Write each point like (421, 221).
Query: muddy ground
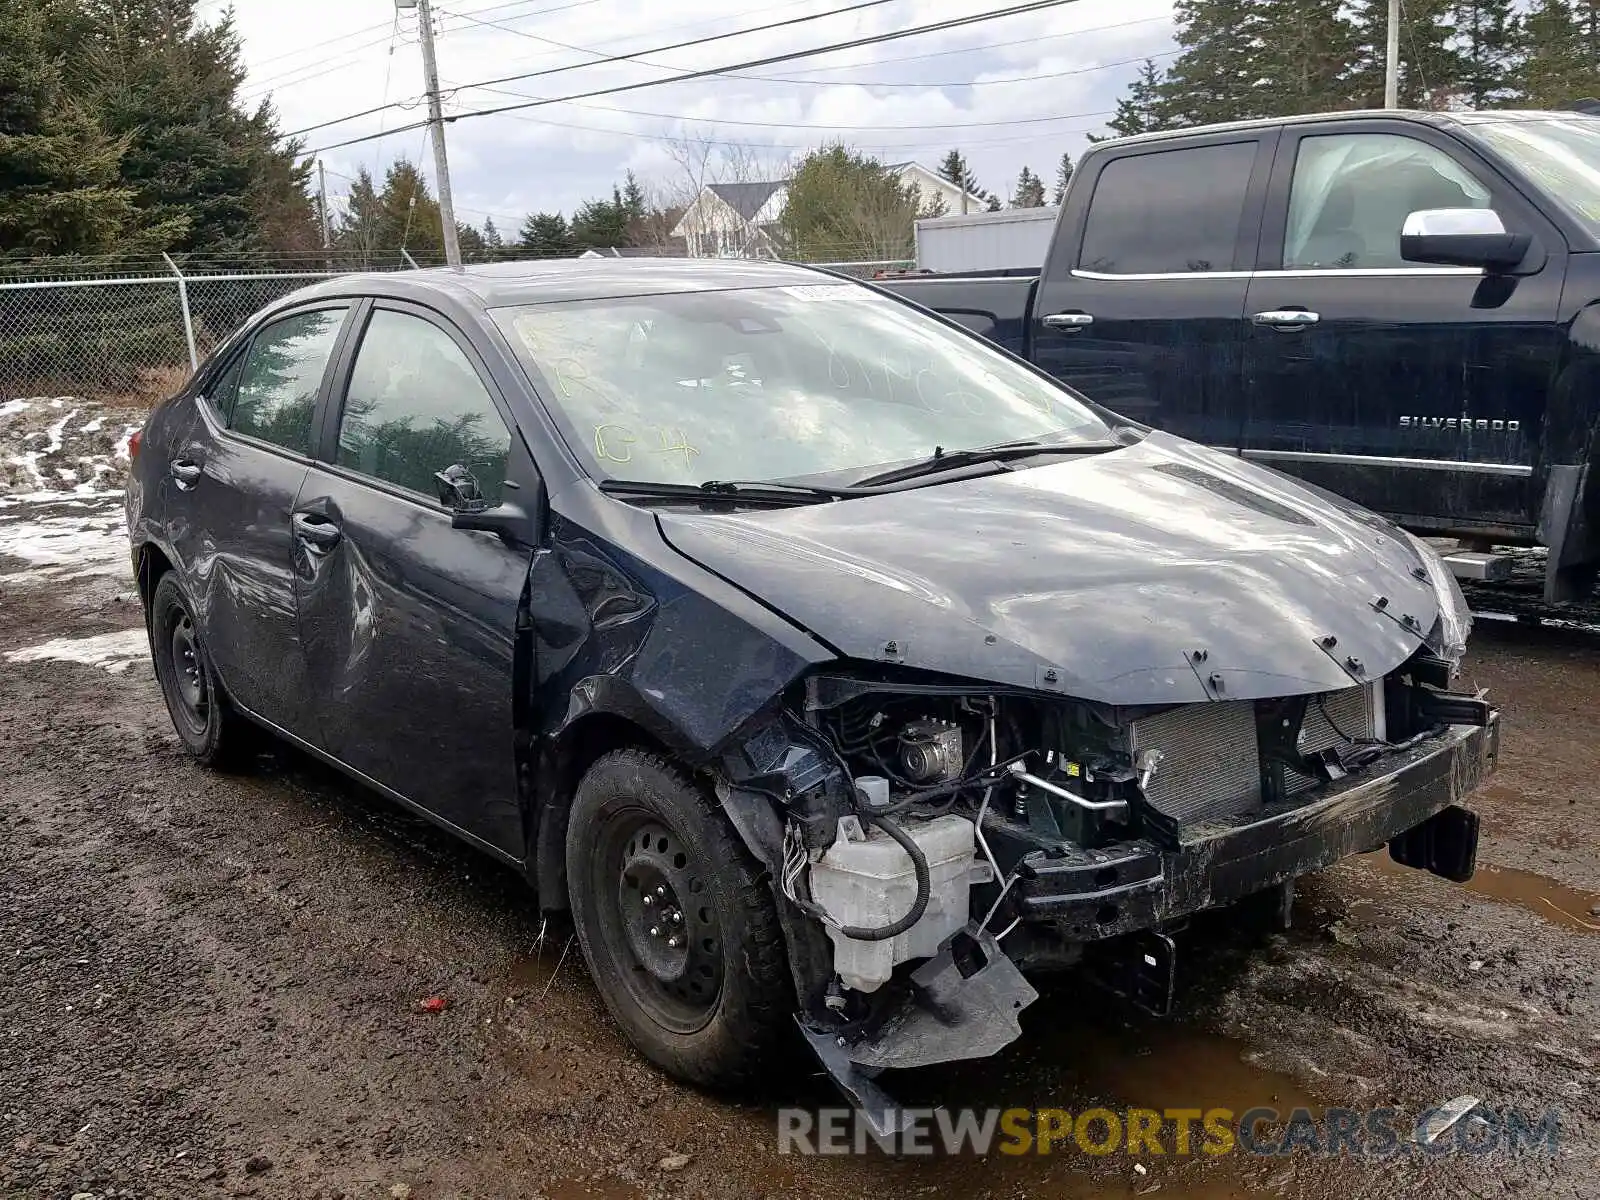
(212, 983)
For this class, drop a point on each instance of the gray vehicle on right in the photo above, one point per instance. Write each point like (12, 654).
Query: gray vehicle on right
(1400, 307)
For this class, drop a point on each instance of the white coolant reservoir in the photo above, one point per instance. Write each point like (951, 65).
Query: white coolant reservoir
(872, 883)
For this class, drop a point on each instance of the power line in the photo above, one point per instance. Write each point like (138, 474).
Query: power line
(937, 26)
(330, 42)
(747, 145)
(856, 82)
(633, 112)
(929, 86)
(614, 58)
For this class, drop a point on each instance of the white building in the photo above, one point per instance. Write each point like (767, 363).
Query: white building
(739, 220)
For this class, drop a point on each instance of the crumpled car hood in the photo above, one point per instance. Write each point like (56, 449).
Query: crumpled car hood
(1164, 573)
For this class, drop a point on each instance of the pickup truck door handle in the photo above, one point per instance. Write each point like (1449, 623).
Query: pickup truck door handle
(316, 530)
(1067, 322)
(1286, 318)
(186, 472)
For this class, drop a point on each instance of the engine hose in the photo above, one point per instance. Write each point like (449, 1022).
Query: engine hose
(919, 863)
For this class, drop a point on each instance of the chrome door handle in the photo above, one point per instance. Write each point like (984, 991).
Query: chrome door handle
(185, 472)
(1286, 318)
(1067, 322)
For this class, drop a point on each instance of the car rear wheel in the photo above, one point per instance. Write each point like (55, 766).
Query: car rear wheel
(676, 922)
(208, 728)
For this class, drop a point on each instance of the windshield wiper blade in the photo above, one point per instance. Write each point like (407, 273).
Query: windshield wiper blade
(759, 492)
(949, 460)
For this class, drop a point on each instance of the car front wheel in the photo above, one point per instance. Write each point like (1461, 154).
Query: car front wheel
(676, 922)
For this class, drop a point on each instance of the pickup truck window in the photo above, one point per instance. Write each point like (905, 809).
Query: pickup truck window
(776, 383)
(1169, 211)
(1563, 156)
(1352, 193)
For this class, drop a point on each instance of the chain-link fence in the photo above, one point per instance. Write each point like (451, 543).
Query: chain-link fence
(132, 334)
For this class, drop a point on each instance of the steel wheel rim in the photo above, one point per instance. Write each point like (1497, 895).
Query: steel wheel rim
(660, 922)
(190, 687)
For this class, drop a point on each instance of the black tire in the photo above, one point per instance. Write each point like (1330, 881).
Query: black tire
(715, 1009)
(207, 726)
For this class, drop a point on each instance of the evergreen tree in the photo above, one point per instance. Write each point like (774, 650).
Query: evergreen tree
(1063, 178)
(1304, 57)
(992, 204)
(632, 199)
(601, 224)
(170, 86)
(60, 172)
(1218, 75)
(1551, 69)
(377, 225)
(1030, 190)
(954, 168)
(492, 241)
(1432, 64)
(1487, 34)
(545, 234)
(1145, 108)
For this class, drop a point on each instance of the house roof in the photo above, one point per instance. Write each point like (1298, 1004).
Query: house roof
(745, 199)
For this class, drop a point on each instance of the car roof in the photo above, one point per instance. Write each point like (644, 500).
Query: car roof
(1366, 114)
(546, 281)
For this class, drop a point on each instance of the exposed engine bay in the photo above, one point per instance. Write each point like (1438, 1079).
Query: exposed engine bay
(944, 839)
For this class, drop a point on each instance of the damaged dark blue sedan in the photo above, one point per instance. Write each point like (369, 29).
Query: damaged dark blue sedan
(826, 662)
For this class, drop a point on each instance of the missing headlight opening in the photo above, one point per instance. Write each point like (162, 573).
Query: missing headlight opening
(939, 839)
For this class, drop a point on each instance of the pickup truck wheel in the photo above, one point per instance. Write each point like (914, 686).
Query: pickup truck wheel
(205, 723)
(676, 922)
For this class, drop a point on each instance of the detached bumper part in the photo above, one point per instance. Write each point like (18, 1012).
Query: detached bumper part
(1141, 885)
(963, 1003)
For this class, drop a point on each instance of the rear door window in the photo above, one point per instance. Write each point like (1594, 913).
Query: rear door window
(281, 376)
(1168, 211)
(415, 406)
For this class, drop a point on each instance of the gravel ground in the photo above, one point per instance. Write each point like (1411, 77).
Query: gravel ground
(216, 981)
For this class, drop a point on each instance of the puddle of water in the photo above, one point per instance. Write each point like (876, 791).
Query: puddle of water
(1555, 902)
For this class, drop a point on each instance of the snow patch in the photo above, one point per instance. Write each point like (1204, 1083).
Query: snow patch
(114, 652)
(60, 547)
(11, 407)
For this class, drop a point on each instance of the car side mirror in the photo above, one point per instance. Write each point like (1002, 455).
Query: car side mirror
(1462, 237)
(459, 491)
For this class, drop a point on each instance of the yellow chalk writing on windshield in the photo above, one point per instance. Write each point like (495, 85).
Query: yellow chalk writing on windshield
(606, 444)
(674, 442)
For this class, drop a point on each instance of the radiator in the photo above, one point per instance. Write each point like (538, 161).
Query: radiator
(1210, 766)
(1210, 759)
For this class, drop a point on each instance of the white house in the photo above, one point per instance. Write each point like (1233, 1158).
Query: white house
(931, 185)
(733, 220)
(739, 220)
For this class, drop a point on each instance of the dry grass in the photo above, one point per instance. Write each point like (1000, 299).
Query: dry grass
(153, 386)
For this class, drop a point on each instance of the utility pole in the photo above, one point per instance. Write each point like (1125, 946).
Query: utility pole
(322, 203)
(1391, 59)
(441, 163)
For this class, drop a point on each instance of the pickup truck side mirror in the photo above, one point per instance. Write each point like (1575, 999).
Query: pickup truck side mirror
(1462, 237)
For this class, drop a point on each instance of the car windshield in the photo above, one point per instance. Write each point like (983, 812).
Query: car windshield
(776, 383)
(1560, 154)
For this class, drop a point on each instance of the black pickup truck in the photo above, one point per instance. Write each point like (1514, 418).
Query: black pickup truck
(1401, 307)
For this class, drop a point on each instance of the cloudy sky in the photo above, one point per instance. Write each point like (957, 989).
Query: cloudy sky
(1008, 92)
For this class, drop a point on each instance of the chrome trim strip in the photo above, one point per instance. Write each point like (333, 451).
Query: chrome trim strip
(1410, 464)
(1299, 273)
(1107, 277)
